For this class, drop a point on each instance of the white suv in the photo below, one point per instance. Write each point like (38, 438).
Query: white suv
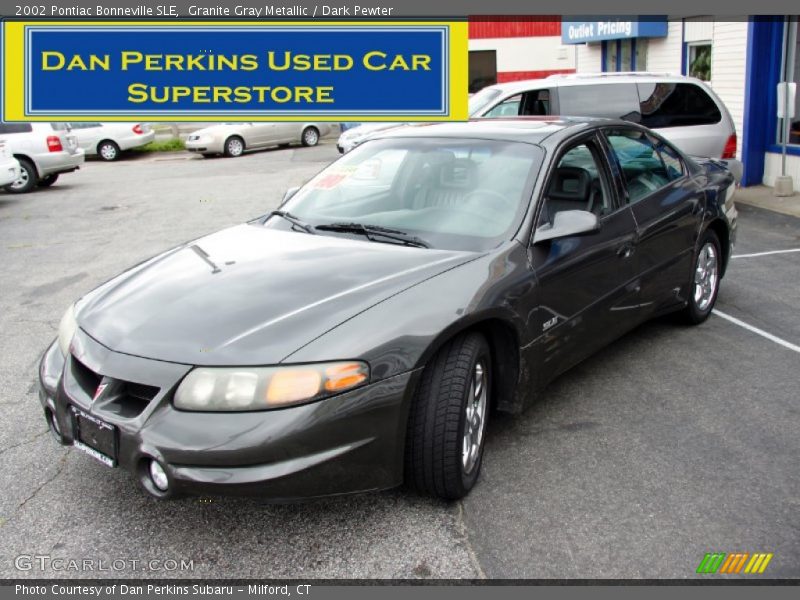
(9, 166)
(44, 151)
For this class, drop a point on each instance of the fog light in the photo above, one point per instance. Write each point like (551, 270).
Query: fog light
(159, 476)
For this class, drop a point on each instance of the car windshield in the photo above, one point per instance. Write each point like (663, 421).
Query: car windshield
(479, 101)
(461, 194)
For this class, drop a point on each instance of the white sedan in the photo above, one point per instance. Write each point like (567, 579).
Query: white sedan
(9, 166)
(109, 140)
(233, 139)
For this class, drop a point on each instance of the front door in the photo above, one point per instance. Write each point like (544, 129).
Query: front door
(587, 289)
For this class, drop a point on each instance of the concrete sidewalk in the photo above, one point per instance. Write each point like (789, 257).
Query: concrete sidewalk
(761, 196)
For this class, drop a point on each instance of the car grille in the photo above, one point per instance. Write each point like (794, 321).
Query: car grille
(126, 399)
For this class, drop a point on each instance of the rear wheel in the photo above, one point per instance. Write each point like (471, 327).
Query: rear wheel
(310, 136)
(48, 180)
(108, 150)
(28, 178)
(447, 423)
(705, 279)
(234, 146)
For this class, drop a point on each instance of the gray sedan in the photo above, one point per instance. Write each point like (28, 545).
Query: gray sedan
(233, 139)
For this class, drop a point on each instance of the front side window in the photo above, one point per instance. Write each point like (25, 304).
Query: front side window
(452, 193)
(642, 168)
(676, 105)
(507, 108)
(576, 183)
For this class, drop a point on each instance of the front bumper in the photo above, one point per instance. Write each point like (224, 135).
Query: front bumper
(206, 145)
(352, 442)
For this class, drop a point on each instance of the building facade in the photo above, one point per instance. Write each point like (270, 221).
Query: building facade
(513, 48)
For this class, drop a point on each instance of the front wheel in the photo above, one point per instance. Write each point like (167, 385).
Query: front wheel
(234, 146)
(447, 423)
(704, 285)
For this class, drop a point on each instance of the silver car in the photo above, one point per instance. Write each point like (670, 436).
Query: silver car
(9, 166)
(44, 151)
(233, 139)
(109, 140)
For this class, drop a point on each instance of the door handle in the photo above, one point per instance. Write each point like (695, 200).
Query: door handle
(625, 251)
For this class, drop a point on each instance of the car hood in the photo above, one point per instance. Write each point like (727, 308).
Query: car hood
(250, 295)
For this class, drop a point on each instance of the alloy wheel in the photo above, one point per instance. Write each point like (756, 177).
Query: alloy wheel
(475, 418)
(706, 274)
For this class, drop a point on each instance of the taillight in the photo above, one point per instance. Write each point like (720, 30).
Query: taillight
(54, 143)
(730, 147)
(137, 129)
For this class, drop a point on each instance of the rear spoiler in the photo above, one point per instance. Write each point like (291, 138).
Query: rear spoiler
(729, 164)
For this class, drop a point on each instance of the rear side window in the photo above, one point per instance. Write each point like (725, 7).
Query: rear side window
(614, 100)
(641, 164)
(672, 160)
(15, 128)
(676, 105)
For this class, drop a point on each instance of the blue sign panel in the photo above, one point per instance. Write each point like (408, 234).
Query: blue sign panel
(617, 28)
(237, 70)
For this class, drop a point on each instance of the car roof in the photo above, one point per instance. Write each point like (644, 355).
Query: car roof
(531, 130)
(570, 79)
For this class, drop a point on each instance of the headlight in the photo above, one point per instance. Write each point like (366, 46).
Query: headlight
(262, 388)
(66, 330)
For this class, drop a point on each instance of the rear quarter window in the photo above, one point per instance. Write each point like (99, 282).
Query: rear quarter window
(676, 105)
(15, 128)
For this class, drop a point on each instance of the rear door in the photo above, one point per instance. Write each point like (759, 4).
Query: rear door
(87, 135)
(613, 100)
(666, 204)
(587, 294)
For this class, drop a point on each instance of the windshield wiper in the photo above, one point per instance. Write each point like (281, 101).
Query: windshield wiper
(371, 231)
(307, 227)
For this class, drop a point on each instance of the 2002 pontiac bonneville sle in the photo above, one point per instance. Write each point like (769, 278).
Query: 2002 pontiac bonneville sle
(358, 337)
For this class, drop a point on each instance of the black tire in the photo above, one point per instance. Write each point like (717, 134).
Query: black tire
(435, 441)
(234, 146)
(108, 150)
(310, 136)
(48, 180)
(701, 301)
(27, 181)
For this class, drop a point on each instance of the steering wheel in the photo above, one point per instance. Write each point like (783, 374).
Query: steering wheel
(493, 196)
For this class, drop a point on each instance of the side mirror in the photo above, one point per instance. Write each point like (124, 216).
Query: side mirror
(566, 224)
(289, 193)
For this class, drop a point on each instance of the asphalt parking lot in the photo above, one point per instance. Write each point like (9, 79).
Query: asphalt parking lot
(671, 443)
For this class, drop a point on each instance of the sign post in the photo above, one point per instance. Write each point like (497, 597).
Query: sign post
(784, 186)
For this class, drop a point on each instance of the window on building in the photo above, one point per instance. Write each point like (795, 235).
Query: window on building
(625, 55)
(698, 60)
(482, 69)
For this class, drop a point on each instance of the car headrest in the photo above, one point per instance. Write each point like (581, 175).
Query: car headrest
(459, 174)
(570, 183)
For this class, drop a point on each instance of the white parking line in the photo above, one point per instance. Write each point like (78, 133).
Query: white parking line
(765, 253)
(756, 330)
